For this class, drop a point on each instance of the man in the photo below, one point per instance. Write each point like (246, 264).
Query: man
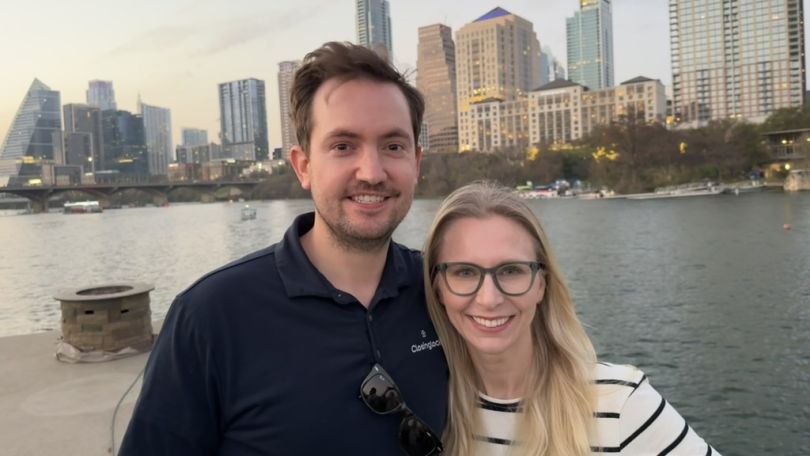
(267, 355)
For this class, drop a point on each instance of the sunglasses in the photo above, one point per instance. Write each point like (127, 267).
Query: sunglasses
(382, 396)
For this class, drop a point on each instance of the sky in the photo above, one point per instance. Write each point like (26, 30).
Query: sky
(173, 53)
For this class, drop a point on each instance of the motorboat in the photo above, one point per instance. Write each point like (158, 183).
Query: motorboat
(248, 212)
(82, 207)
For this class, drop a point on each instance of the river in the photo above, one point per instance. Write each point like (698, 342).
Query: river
(709, 296)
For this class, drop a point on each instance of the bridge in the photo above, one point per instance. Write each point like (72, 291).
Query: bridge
(39, 195)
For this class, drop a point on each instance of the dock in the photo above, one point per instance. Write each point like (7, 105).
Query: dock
(51, 407)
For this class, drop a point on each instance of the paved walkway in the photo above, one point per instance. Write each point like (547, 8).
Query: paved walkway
(52, 408)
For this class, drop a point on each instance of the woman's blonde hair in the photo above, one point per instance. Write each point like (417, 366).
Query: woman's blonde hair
(559, 403)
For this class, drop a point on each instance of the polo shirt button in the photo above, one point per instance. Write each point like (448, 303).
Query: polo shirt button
(379, 354)
(370, 318)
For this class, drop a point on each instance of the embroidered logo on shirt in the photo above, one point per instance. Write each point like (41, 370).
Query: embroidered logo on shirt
(426, 345)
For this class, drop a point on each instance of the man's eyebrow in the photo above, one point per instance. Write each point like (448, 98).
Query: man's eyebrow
(341, 133)
(397, 133)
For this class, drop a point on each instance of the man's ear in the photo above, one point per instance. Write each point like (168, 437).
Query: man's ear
(418, 162)
(300, 163)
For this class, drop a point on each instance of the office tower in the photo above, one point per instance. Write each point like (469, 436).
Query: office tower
(157, 127)
(551, 69)
(35, 136)
(83, 137)
(124, 146)
(100, 94)
(286, 73)
(374, 26)
(436, 79)
(194, 137)
(589, 36)
(497, 59)
(735, 59)
(243, 119)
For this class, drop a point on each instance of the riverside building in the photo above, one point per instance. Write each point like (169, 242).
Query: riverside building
(436, 79)
(735, 59)
(589, 35)
(563, 111)
(34, 140)
(84, 145)
(497, 64)
(243, 119)
(157, 126)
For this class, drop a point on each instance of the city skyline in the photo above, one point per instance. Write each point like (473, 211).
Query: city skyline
(175, 54)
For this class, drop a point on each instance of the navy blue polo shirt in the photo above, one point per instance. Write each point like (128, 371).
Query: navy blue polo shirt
(265, 357)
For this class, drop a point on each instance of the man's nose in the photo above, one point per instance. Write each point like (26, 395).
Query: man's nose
(370, 167)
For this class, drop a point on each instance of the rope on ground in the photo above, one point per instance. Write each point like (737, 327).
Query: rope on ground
(115, 412)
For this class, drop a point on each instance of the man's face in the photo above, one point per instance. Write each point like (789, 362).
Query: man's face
(363, 162)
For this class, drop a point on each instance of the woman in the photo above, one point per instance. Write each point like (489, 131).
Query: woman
(524, 375)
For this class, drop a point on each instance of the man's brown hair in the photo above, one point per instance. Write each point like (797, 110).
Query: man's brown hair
(345, 61)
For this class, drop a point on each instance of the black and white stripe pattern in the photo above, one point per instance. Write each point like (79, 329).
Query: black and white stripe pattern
(631, 419)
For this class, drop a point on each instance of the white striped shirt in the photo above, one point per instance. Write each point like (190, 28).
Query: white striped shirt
(631, 419)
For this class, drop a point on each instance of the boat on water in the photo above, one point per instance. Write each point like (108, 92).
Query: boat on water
(248, 213)
(681, 191)
(82, 207)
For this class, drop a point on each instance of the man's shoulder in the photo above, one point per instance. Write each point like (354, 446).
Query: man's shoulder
(237, 274)
(411, 257)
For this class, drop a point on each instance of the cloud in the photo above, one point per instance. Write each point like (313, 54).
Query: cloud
(159, 38)
(212, 37)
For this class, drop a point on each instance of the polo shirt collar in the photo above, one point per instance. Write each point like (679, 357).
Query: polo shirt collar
(301, 278)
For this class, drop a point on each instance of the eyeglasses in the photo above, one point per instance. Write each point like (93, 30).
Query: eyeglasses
(512, 279)
(383, 397)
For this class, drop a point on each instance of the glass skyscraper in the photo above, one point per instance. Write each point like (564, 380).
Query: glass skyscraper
(101, 95)
(243, 119)
(194, 137)
(374, 26)
(589, 35)
(735, 59)
(35, 136)
(157, 127)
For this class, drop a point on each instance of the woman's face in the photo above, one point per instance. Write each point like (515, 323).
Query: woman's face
(490, 321)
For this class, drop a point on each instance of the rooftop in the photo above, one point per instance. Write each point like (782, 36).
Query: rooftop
(558, 84)
(638, 79)
(495, 13)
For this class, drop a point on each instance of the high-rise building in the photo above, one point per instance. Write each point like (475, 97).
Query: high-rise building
(563, 111)
(243, 119)
(551, 69)
(735, 59)
(589, 36)
(497, 59)
(374, 26)
(436, 79)
(83, 137)
(35, 136)
(194, 137)
(100, 94)
(286, 73)
(157, 127)
(124, 146)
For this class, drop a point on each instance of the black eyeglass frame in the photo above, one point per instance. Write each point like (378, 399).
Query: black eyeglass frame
(378, 371)
(536, 266)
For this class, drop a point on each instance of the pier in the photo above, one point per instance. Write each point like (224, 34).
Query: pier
(50, 407)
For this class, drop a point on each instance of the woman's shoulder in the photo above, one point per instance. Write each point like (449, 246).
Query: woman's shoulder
(616, 382)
